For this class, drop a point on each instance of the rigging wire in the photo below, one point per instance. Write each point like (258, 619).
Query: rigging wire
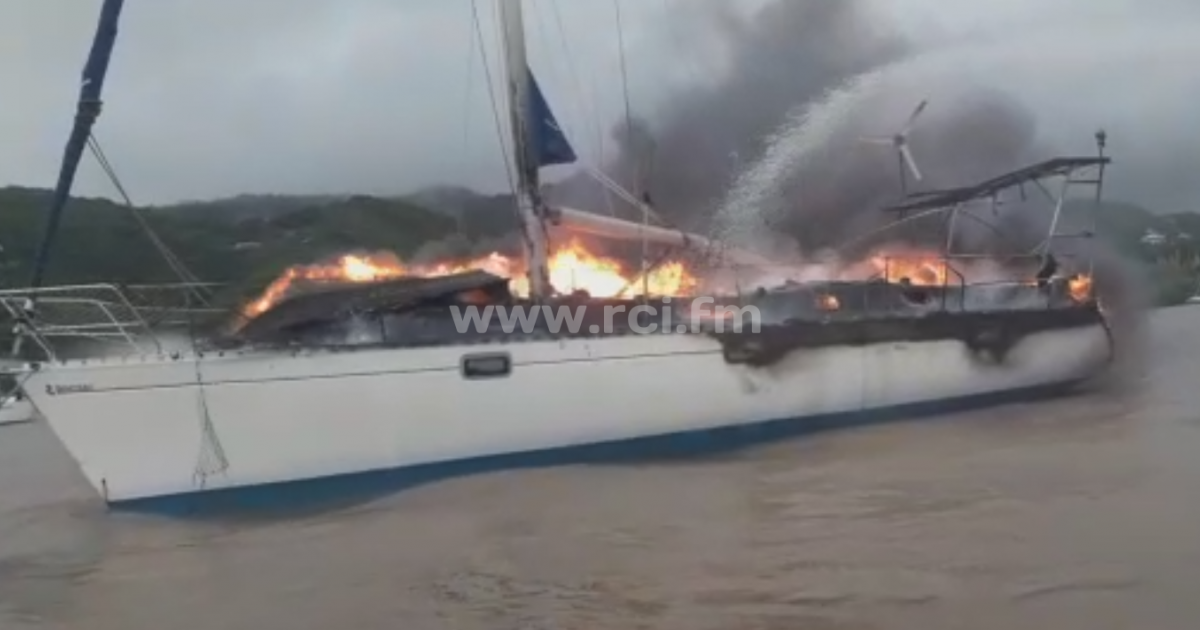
(509, 169)
(469, 88)
(572, 71)
(542, 30)
(625, 89)
(585, 98)
(467, 109)
(635, 183)
(195, 288)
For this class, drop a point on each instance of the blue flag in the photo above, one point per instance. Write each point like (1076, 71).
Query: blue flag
(547, 143)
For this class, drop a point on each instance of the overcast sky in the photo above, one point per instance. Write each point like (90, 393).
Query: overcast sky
(208, 98)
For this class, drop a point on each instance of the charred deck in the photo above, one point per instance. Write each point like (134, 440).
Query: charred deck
(757, 329)
(988, 335)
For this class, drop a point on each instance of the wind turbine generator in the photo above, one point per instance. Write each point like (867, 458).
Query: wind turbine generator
(904, 157)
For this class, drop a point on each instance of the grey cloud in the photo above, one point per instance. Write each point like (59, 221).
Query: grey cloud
(216, 97)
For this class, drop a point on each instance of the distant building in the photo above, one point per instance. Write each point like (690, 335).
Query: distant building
(1153, 238)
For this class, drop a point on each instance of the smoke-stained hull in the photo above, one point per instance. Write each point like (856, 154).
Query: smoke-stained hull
(242, 427)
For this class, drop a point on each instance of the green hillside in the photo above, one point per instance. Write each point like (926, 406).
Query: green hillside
(228, 242)
(246, 241)
(1171, 265)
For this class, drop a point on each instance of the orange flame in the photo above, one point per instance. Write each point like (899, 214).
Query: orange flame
(1080, 287)
(828, 302)
(572, 268)
(918, 269)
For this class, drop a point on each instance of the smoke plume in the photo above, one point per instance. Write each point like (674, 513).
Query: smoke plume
(789, 56)
(699, 156)
(786, 55)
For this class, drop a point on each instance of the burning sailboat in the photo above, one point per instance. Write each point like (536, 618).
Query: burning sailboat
(286, 397)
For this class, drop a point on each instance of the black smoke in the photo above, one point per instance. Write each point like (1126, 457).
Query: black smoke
(790, 55)
(786, 55)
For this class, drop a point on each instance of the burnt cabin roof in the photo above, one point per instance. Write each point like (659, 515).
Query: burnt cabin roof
(340, 302)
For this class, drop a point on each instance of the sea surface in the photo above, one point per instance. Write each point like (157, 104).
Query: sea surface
(1076, 514)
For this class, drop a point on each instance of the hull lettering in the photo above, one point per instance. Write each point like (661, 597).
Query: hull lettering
(69, 388)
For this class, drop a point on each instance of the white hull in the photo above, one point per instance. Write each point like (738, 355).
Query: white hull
(136, 427)
(16, 412)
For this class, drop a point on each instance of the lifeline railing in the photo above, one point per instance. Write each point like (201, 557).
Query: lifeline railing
(130, 318)
(954, 292)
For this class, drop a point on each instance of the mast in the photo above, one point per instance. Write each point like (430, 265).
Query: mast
(537, 141)
(87, 110)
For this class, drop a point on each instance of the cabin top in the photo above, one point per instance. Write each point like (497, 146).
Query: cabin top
(336, 303)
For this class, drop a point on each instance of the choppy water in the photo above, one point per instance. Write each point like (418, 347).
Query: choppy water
(1078, 514)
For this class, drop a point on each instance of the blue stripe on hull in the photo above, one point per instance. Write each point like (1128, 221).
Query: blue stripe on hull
(292, 498)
